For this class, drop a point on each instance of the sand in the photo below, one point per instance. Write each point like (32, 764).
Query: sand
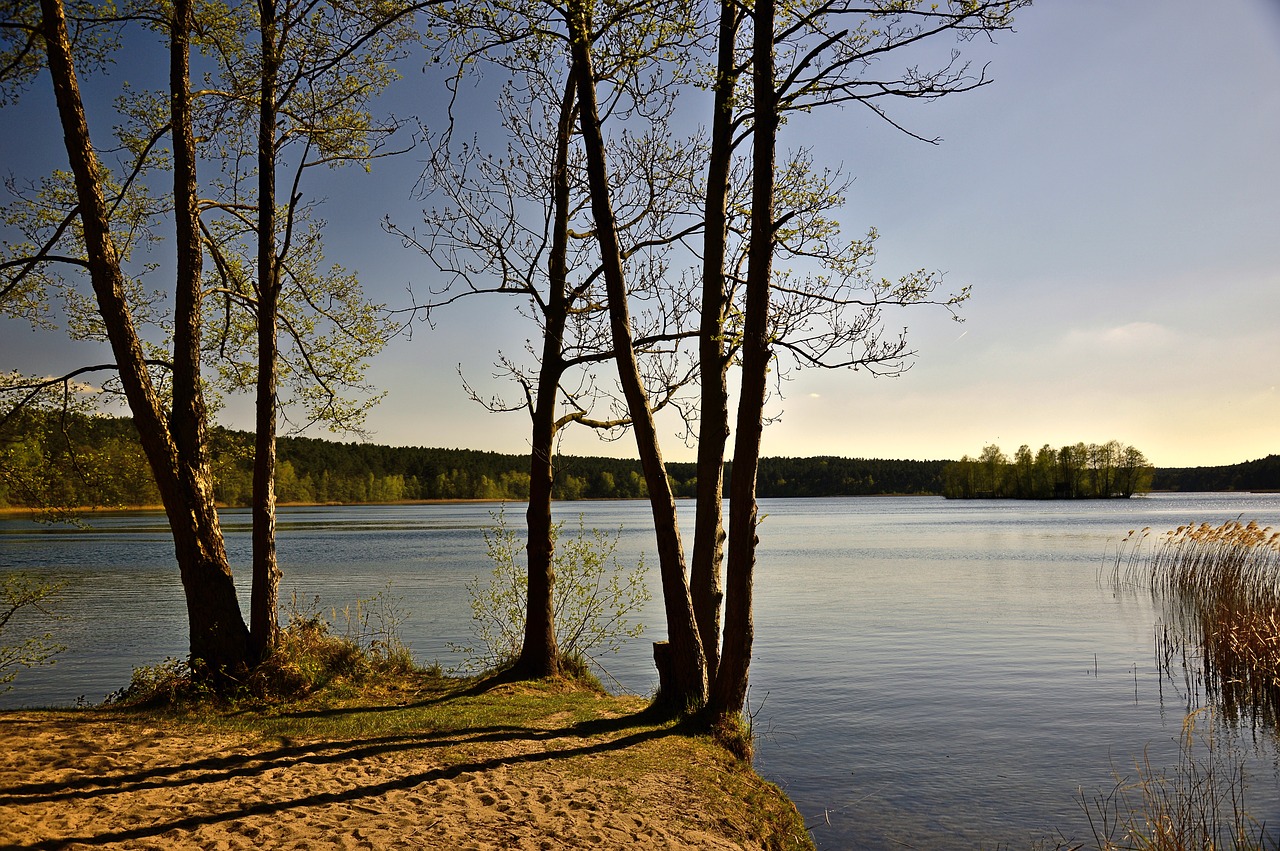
(88, 780)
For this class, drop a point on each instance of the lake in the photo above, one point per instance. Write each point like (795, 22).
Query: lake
(927, 673)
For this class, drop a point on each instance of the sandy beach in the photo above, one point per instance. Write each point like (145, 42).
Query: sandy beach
(98, 778)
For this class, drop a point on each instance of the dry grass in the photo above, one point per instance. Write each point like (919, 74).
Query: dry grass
(1219, 587)
(1219, 591)
(1198, 805)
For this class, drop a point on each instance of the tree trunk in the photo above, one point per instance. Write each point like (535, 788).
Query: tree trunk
(705, 583)
(218, 637)
(189, 414)
(730, 690)
(265, 600)
(539, 656)
(689, 665)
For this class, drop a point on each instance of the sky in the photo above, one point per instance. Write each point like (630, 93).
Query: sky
(1112, 198)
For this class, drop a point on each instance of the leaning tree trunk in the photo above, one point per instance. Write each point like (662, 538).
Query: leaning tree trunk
(684, 684)
(730, 690)
(218, 638)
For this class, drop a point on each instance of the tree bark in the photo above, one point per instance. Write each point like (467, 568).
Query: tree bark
(689, 664)
(265, 600)
(218, 639)
(705, 582)
(540, 657)
(730, 690)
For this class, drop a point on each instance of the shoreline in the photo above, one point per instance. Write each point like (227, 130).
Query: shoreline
(126, 509)
(10, 510)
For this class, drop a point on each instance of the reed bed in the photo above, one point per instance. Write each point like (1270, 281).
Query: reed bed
(1197, 805)
(1219, 587)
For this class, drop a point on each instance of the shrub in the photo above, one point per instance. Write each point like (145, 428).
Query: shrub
(594, 598)
(309, 655)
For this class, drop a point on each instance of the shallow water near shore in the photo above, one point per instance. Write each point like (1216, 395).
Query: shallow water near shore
(927, 673)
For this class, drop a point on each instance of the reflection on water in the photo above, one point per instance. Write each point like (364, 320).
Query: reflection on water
(927, 673)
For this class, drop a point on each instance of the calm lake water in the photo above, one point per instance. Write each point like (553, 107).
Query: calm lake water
(927, 674)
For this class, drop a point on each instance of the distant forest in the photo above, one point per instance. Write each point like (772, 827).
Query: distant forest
(47, 460)
(1260, 475)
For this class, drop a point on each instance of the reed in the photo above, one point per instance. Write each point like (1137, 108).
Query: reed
(1219, 587)
(1197, 805)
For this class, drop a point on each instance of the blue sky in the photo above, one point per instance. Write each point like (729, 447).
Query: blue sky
(1113, 199)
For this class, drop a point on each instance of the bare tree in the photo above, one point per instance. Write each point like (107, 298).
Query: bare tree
(816, 55)
(519, 224)
(802, 58)
(681, 664)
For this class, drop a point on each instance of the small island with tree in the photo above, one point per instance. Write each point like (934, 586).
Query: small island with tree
(1093, 471)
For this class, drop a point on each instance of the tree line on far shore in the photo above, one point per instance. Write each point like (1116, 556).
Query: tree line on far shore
(78, 460)
(1093, 471)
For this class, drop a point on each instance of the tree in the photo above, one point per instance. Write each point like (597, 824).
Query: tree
(308, 87)
(959, 479)
(822, 61)
(830, 319)
(517, 224)
(682, 667)
(173, 430)
(1043, 473)
(1023, 473)
(298, 80)
(824, 66)
(1072, 461)
(1134, 473)
(992, 464)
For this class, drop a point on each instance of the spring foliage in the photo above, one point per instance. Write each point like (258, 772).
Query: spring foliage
(1093, 471)
(22, 595)
(595, 597)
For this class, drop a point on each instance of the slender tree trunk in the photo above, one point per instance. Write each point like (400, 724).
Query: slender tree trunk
(687, 677)
(730, 690)
(540, 657)
(219, 639)
(705, 583)
(189, 415)
(264, 603)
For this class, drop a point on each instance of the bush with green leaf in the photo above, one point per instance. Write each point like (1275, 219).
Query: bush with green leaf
(22, 596)
(595, 597)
